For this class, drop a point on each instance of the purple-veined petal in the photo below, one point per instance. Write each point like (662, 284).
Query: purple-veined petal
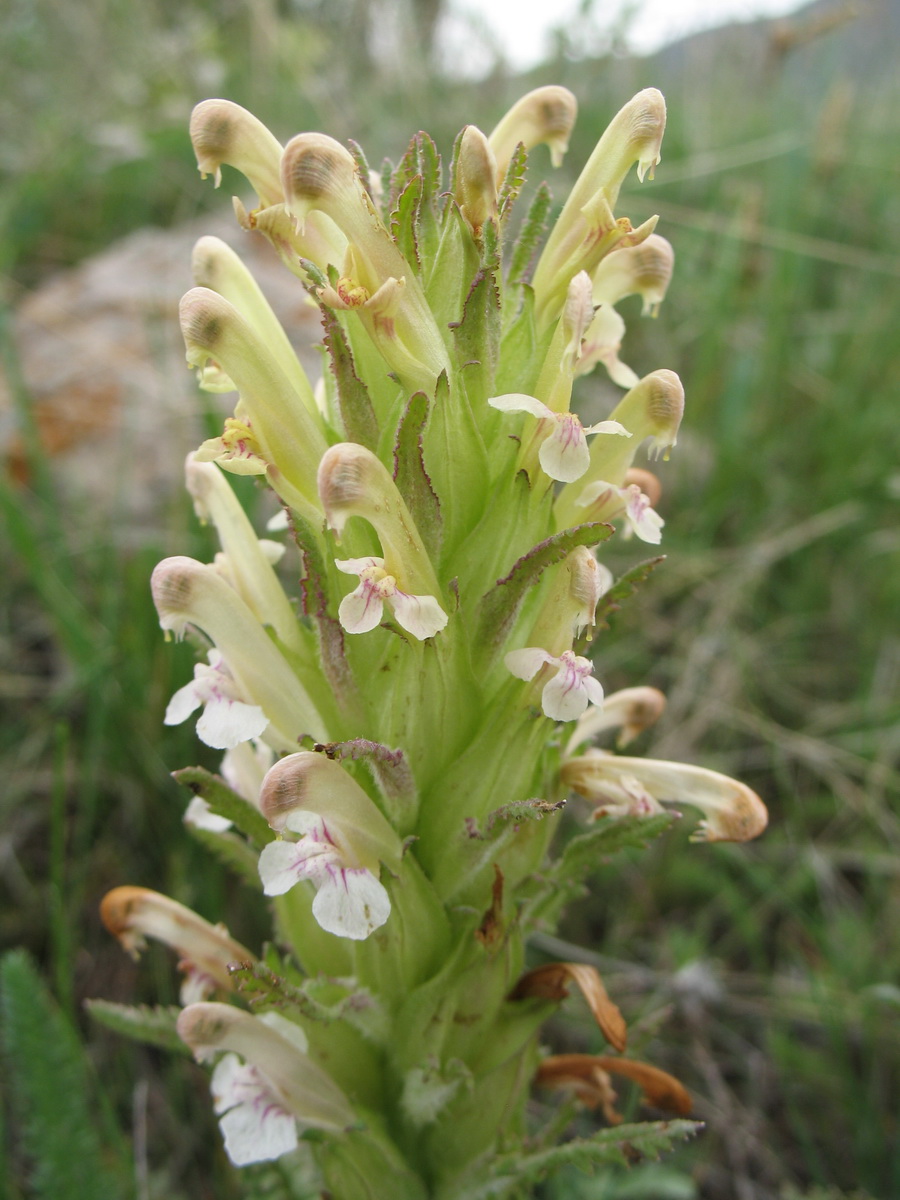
(183, 703)
(356, 566)
(284, 864)
(564, 455)
(226, 723)
(421, 616)
(519, 402)
(562, 699)
(526, 663)
(255, 1126)
(351, 902)
(362, 609)
(642, 517)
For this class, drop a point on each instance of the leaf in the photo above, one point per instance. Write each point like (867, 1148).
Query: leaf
(624, 587)
(622, 1144)
(608, 836)
(357, 413)
(314, 600)
(517, 812)
(411, 477)
(500, 606)
(533, 228)
(476, 335)
(154, 1025)
(337, 1000)
(389, 767)
(71, 1142)
(405, 221)
(512, 183)
(226, 803)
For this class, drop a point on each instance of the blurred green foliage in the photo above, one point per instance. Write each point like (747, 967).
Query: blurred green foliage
(765, 975)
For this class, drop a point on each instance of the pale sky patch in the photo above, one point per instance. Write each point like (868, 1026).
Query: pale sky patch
(523, 29)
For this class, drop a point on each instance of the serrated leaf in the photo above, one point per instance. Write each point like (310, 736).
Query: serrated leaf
(265, 989)
(389, 767)
(624, 587)
(512, 183)
(622, 1144)
(153, 1025)
(608, 836)
(357, 413)
(314, 601)
(226, 803)
(72, 1147)
(533, 229)
(500, 606)
(476, 336)
(405, 223)
(514, 813)
(411, 477)
(316, 275)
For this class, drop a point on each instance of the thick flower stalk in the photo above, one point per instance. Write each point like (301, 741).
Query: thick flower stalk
(405, 686)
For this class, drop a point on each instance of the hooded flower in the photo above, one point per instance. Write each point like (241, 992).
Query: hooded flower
(350, 902)
(629, 502)
(362, 609)
(567, 694)
(226, 720)
(276, 1090)
(564, 453)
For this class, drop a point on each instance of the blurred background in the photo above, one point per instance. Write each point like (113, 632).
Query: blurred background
(767, 976)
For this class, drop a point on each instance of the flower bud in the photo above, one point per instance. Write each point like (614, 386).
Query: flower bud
(132, 914)
(288, 432)
(733, 812)
(186, 592)
(297, 1083)
(631, 709)
(354, 482)
(645, 269)
(249, 569)
(475, 180)
(545, 115)
(223, 132)
(216, 266)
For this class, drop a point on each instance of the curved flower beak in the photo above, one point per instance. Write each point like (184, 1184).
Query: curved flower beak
(732, 811)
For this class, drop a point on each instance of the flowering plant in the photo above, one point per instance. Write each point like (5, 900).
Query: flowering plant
(403, 734)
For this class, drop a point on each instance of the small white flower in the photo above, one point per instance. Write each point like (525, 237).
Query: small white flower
(362, 609)
(564, 453)
(199, 815)
(629, 502)
(350, 901)
(226, 720)
(572, 688)
(255, 1125)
